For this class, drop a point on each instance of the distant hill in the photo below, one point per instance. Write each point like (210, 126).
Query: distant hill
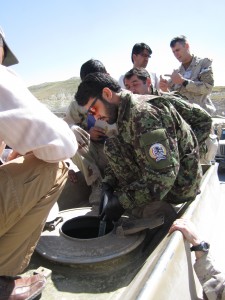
(218, 98)
(57, 95)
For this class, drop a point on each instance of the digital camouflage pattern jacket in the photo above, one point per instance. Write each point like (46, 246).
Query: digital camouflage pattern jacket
(197, 117)
(155, 154)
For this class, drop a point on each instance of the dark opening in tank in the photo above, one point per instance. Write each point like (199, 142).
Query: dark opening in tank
(84, 227)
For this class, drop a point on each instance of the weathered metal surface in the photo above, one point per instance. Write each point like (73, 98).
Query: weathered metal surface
(168, 273)
(161, 271)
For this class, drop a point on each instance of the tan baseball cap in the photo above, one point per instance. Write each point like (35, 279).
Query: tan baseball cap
(9, 57)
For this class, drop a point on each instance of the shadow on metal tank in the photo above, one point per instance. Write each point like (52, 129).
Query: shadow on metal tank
(75, 194)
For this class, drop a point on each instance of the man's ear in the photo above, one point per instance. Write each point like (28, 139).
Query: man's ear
(107, 94)
(148, 81)
(134, 56)
(187, 46)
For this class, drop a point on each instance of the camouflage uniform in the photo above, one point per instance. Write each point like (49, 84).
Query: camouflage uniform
(200, 83)
(212, 280)
(90, 158)
(155, 154)
(76, 114)
(199, 120)
(86, 156)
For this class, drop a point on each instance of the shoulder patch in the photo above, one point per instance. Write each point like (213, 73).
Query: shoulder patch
(158, 152)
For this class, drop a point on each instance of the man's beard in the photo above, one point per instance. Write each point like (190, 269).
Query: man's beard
(111, 111)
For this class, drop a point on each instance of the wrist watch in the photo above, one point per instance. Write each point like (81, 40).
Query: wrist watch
(203, 246)
(185, 82)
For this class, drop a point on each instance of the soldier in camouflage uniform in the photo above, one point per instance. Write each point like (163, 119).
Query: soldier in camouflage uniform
(193, 79)
(87, 157)
(137, 80)
(154, 158)
(90, 158)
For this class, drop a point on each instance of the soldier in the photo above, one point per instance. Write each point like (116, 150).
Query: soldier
(140, 55)
(153, 161)
(137, 80)
(211, 279)
(193, 79)
(89, 158)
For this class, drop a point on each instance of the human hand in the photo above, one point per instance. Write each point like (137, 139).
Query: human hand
(96, 133)
(163, 84)
(188, 230)
(12, 155)
(113, 210)
(176, 77)
(81, 135)
(72, 176)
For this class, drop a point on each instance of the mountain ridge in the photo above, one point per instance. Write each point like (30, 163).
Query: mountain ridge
(57, 95)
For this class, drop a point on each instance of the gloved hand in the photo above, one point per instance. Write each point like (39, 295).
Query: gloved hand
(113, 210)
(106, 191)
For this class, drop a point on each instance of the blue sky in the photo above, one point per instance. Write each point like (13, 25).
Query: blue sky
(53, 38)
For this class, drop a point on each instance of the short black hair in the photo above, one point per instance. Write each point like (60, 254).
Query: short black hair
(141, 73)
(139, 48)
(91, 66)
(92, 86)
(178, 39)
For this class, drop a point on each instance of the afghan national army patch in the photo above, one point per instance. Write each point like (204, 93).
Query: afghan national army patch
(158, 152)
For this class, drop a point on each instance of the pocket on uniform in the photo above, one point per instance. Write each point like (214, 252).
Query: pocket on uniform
(157, 150)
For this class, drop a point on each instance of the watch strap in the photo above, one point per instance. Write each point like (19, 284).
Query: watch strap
(203, 246)
(185, 82)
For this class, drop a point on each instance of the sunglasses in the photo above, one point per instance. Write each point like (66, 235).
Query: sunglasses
(92, 104)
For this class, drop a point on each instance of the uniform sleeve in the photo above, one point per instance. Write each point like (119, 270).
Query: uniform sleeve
(110, 177)
(147, 165)
(154, 158)
(27, 125)
(211, 279)
(199, 119)
(204, 82)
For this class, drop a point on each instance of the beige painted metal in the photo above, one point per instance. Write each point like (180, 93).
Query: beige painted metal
(167, 273)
